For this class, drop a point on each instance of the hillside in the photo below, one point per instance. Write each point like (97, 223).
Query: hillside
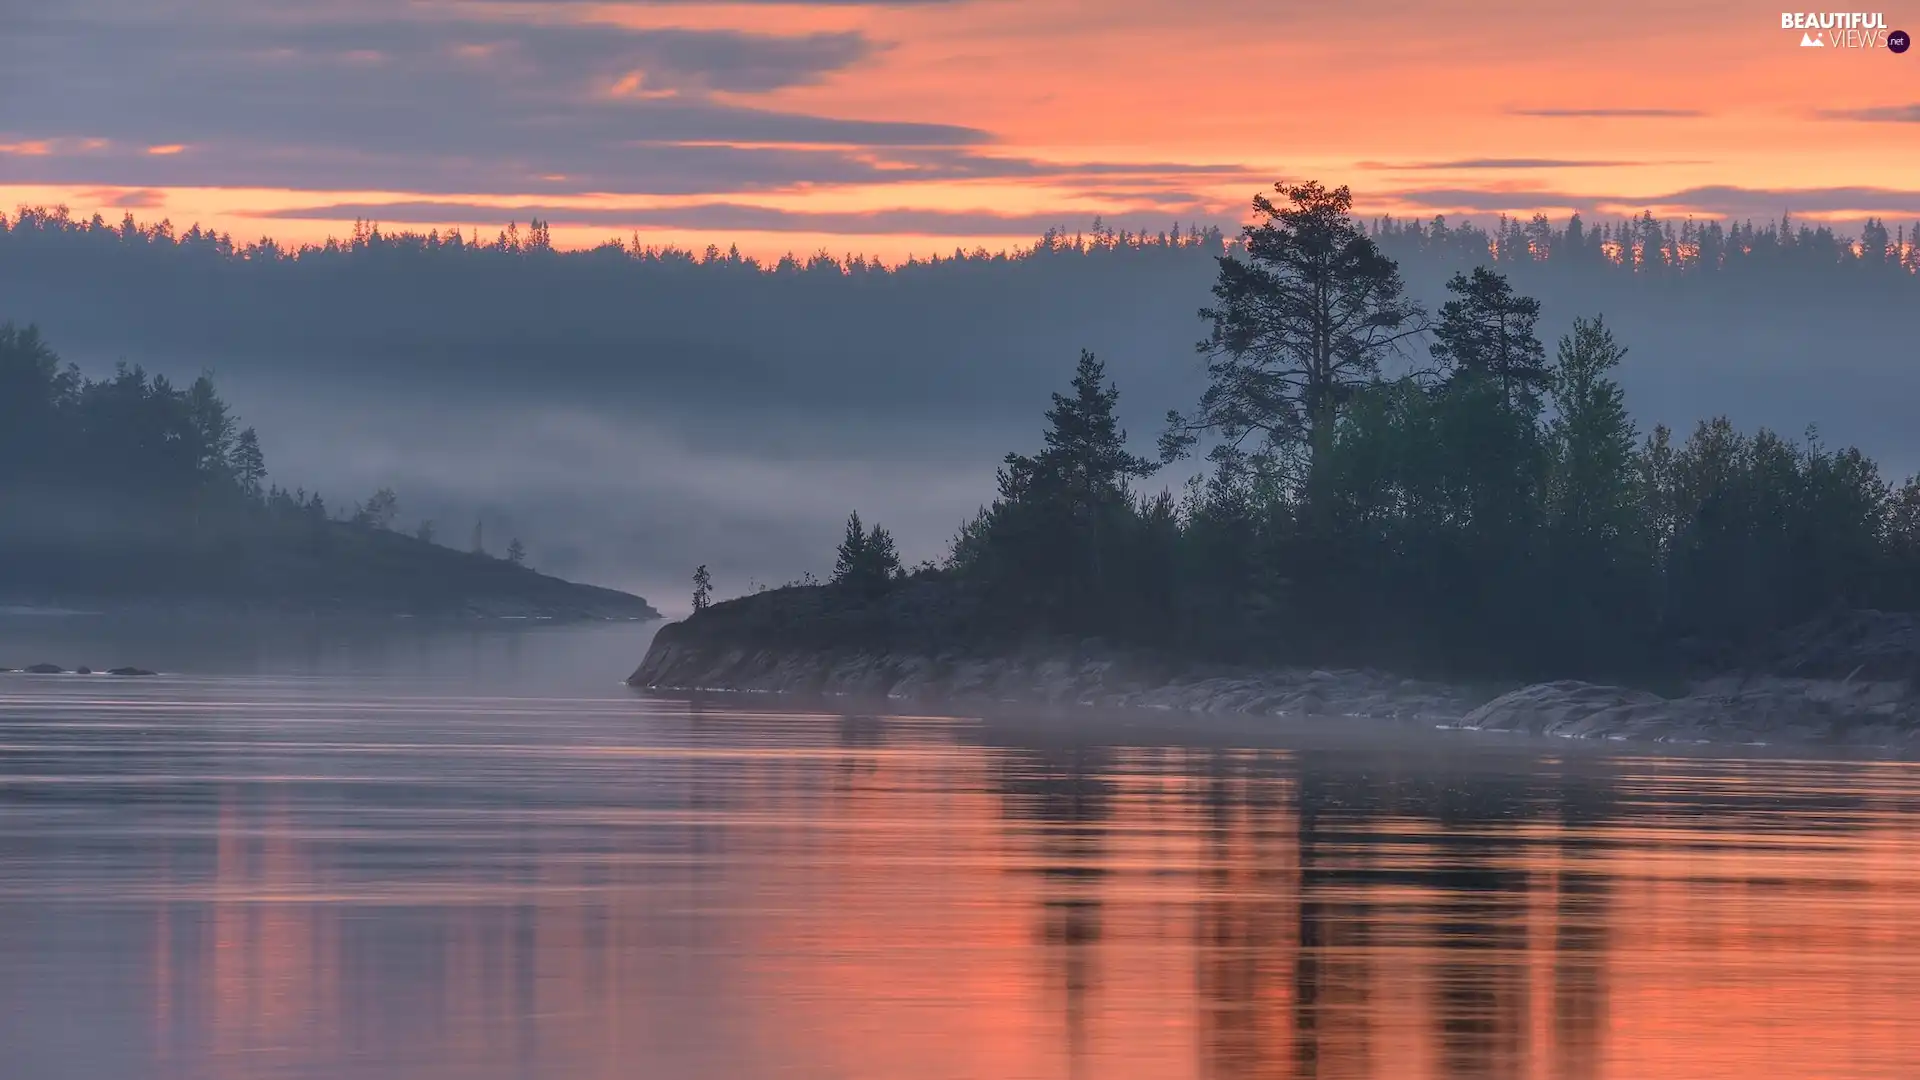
(131, 492)
(326, 567)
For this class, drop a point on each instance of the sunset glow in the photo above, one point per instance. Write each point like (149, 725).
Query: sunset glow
(900, 128)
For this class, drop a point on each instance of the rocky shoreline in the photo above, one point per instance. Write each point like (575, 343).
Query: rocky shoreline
(1849, 681)
(56, 669)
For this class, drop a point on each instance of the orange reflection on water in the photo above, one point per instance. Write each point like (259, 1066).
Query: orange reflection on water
(898, 901)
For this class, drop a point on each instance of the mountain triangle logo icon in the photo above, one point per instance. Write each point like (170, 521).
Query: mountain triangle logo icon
(1808, 41)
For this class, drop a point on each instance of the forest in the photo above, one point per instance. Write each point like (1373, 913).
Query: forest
(1423, 490)
(130, 488)
(888, 384)
(1644, 244)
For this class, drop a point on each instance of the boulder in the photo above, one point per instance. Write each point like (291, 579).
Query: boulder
(1573, 708)
(1877, 646)
(45, 669)
(129, 671)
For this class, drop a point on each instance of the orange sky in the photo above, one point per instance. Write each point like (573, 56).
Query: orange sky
(1144, 111)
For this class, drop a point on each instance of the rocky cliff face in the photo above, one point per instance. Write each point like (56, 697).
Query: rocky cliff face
(1852, 680)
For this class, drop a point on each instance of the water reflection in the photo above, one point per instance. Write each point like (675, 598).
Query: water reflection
(252, 877)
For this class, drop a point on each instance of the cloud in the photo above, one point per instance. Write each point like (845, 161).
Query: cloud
(1879, 114)
(124, 198)
(1630, 113)
(651, 167)
(361, 96)
(1508, 163)
(1712, 200)
(736, 217)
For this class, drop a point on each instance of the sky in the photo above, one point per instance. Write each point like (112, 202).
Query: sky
(915, 126)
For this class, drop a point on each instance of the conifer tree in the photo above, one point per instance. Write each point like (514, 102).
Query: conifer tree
(1303, 320)
(867, 559)
(702, 588)
(249, 465)
(1487, 331)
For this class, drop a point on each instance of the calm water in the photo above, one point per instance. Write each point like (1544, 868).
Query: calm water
(331, 852)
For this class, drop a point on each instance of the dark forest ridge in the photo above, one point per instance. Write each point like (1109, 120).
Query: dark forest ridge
(1643, 244)
(131, 492)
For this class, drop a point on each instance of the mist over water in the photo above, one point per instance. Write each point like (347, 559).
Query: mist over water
(461, 853)
(628, 424)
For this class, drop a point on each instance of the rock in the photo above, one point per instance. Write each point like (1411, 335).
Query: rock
(1726, 709)
(1571, 708)
(1878, 646)
(1847, 679)
(129, 671)
(45, 669)
(1057, 673)
(83, 670)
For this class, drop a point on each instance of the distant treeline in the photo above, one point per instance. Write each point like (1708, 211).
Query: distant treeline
(133, 487)
(129, 452)
(1493, 510)
(1644, 244)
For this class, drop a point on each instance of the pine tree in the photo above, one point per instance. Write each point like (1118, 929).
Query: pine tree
(866, 558)
(516, 553)
(702, 588)
(1057, 509)
(1599, 530)
(1594, 491)
(1300, 323)
(249, 465)
(1487, 331)
(213, 426)
(851, 556)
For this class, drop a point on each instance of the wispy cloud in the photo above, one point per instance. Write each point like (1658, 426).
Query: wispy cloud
(1709, 200)
(1467, 164)
(1613, 113)
(735, 217)
(370, 97)
(125, 198)
(1878, 114)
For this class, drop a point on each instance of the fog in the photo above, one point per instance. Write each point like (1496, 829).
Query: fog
(628, 420)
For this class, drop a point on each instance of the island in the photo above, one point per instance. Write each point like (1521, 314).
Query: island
(1401, 515)
(132, 494)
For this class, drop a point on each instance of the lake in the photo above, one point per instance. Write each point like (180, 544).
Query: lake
(388, 850)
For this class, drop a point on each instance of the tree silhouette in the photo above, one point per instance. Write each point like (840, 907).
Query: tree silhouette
(1086, 460)
(516, 553)
(1303, 320)
(866, 559)
(379, 511)
(249, 464)
(1060, 510)
(702, 588)
(1486, 331)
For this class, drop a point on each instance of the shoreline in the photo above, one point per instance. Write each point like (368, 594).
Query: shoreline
(1865, 708)
(477, 612)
